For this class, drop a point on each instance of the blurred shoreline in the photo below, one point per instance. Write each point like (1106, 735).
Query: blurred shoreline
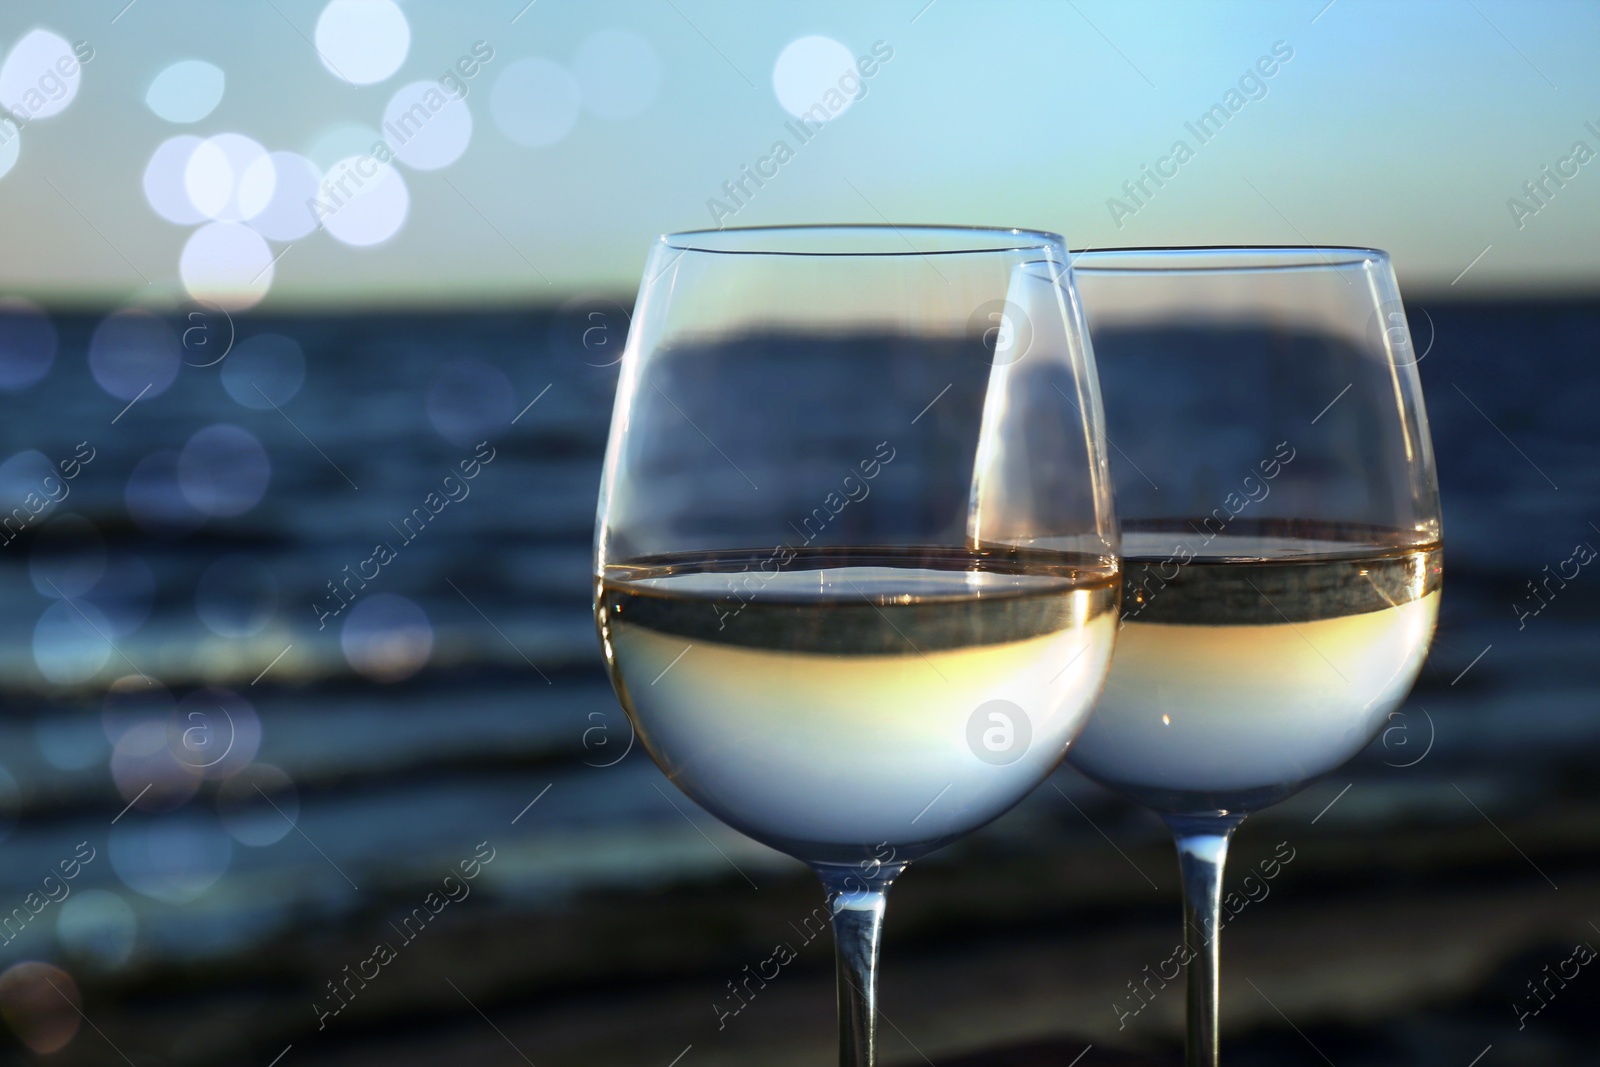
(461, 697)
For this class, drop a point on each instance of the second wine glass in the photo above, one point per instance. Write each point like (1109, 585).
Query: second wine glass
(1281, 530)
(856, 566)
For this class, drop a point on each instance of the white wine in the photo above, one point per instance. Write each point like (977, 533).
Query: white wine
(852, 698)
(1241, 675)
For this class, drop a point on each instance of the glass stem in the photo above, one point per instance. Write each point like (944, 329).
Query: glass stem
(1202, 850)
(856, 899)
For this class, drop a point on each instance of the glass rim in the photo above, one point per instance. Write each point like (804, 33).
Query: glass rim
(1238, 259)
(792, 240)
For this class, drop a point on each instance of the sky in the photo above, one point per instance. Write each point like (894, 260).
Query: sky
(586, 129)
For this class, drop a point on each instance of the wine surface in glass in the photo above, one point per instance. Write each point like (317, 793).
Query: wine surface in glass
(1242, 674)
(852, 697)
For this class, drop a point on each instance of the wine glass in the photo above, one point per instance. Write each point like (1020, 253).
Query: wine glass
(1280, 525)
(856, 567)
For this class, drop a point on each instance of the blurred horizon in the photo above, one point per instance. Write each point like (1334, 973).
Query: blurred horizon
(611, 300)
(583, 132)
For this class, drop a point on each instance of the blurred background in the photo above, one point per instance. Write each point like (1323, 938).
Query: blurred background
(309, 321)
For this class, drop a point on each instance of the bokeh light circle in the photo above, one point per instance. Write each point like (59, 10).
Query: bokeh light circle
(40, 76)
(164, 186)
(229, 177)
(223, 470)
(25, 473)
(470, 401)
(147, 771)
(172, 858)
(363, 202)
(227, 264)
(70, 643)
(134, 352)
(428, 127)
(236, 596)
(41, 1004)
(97, 925)
(187, 91)
(806, 71)
(618, 73)
(27, 343)
(156, 501)
(287, 216)
(258, 805)
(535, 102)
(386, 637)
(341, 141)
(265, 370)
(362, 41)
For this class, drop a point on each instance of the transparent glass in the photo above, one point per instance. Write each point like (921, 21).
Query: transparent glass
(856, 563)
(1280, 525)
